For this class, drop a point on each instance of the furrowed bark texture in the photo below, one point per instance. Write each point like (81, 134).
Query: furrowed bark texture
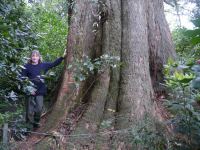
(137, 32)
(136, 92)
(81, 42)
(103, 99)
(160, 42)
(89, 122)
(146, 46)
(112, 45)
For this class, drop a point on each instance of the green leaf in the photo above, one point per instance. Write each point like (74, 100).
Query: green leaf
(195, 40)
(192, 33)
(185, 80)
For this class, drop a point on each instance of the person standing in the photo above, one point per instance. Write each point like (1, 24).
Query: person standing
(34, 70)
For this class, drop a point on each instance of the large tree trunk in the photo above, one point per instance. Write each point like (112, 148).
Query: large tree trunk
(160, 42)
(137, 32)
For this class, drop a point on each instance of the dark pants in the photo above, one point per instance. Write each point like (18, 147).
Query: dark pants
(34, 110)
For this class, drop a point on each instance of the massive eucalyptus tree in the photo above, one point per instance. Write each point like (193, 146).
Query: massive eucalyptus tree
(134, 30)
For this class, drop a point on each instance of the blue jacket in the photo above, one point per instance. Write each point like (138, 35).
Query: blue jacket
(34, 72)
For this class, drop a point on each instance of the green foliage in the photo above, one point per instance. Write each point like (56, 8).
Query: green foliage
(194, 34)
(86, 66)
(178, 74)
(187, 42)
(183, 104)
(197, 97)
(181, 41)
(6, 116)
(183, 82)
(24, 28)
(51, 29)
(16, 38)
(147, 137)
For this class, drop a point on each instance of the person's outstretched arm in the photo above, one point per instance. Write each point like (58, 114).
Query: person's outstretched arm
(49, 65)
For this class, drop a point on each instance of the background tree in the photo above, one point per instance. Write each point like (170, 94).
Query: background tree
(183, 9)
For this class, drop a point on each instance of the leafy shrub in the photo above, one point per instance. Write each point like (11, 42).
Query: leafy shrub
(187, 42)
(51, 27)
(182, 42)
(180, 80)
(86, 66)
(16, 39)
(24, 28)
(194, 34)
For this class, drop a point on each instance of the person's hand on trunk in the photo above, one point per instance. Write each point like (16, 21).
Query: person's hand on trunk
(65, 53)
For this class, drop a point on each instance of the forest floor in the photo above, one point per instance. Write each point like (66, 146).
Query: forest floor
(62, 132)
(65, 127)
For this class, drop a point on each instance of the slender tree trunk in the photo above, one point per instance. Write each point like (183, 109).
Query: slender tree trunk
(137, 32)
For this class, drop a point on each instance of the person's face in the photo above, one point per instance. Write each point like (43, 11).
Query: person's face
(35, 58)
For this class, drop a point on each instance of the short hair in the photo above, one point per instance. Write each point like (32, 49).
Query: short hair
(37, 53)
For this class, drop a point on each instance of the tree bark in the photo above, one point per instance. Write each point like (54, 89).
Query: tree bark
(160, 41)
(136, 91)
(138, 33)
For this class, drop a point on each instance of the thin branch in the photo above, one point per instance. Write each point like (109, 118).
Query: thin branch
(169, 3)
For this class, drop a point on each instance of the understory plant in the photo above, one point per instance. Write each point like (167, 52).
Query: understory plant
(25, 26)
(182, 81)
